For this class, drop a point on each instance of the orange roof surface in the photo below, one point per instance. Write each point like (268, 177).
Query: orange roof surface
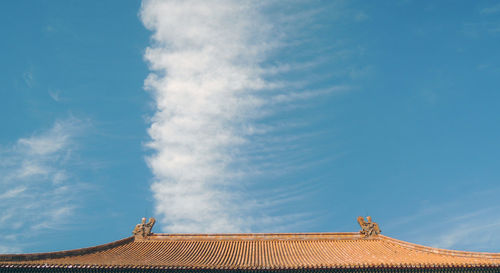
(256, 251)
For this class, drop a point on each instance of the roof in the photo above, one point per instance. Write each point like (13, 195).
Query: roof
(252, 251)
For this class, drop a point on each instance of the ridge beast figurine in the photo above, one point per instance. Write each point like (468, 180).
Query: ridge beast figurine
(144, 229)
(368, 228)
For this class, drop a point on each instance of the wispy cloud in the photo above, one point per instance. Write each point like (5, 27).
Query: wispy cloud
(28, 78)
(476, 230)
(207, 82)
(491, 9)
(36, 193)
(487, 24)
(55, 95)
(212, 83)
(463, 224)
(206, 60)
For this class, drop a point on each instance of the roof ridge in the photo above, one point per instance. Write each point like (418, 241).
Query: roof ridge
(236, 233)
(254, 236)
(435, 250)
(254, 233)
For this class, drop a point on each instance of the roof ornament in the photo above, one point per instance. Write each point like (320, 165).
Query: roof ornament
(144, 229)
(368, 228)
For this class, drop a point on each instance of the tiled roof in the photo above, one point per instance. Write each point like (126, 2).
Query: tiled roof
(256, 251)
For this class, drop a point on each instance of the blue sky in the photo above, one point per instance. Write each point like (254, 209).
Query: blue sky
(230, 116)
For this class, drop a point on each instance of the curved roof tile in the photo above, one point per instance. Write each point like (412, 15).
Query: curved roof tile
(256, 251)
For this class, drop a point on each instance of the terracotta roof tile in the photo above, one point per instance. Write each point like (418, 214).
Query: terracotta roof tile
(257, 251)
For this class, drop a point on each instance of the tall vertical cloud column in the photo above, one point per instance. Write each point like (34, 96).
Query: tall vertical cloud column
(204, 59)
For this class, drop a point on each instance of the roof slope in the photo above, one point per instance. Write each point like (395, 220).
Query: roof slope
(256, 251)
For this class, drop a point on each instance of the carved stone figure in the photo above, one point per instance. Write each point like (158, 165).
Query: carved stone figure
(368, 228)
(144, 229)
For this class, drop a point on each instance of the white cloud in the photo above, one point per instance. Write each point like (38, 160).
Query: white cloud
(206, 60)
(210, 88)
(36, 194)
(13, 193)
